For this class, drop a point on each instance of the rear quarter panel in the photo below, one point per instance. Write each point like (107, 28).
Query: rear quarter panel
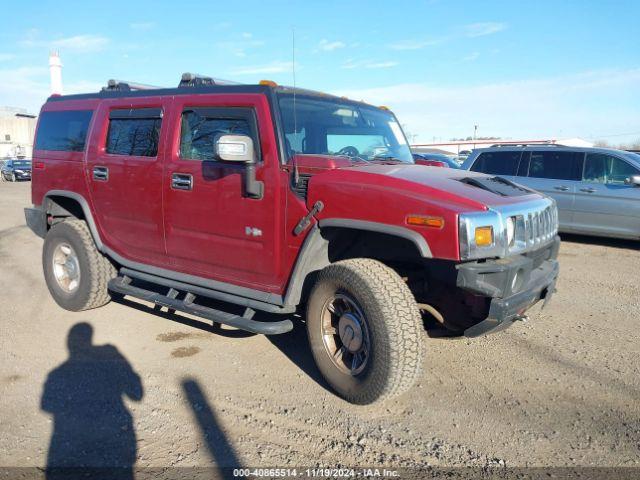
(55, 170)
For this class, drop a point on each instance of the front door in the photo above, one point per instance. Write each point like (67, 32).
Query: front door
(604, 203)
(124, 173)
(213, 228)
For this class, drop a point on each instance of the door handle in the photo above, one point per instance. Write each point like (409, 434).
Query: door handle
(562, 188)
(101, 173)
(588, 190)
(181, 181)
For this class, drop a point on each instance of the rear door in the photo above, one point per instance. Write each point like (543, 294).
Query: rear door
(556, 174)
(124, 171)
(213, 229)
(604, 203)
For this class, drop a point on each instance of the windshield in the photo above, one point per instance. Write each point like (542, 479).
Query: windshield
(21, 163)
(328, 127)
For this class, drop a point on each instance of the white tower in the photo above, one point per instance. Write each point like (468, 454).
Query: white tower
(55, 70)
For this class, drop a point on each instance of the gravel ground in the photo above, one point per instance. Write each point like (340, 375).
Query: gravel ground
(560, 390)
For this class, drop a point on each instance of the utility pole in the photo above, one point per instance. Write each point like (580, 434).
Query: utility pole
(475, 135)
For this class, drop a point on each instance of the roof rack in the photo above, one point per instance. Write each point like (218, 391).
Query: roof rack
(126, 86)
(542, 144)
(196, 80)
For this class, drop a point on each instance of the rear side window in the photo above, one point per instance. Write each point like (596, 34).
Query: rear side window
(134, 132)
(63, 131)
(497, 163)
(201, 126)
(556, 165)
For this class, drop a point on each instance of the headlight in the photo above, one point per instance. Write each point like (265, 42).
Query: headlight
(481, 235)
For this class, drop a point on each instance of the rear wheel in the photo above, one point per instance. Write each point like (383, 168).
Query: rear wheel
(364, 329)
(77, 274)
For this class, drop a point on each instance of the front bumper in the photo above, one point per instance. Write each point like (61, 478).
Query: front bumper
(513, 285)
(23, 176)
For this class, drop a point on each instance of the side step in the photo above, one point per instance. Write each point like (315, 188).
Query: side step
(123, 286)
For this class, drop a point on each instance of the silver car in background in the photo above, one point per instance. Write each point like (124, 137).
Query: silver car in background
(597, 189)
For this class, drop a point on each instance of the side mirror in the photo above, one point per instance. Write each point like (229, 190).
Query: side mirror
(634, 180)
(235, 148)
(239, 148)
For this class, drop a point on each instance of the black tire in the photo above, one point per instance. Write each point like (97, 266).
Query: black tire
(95, 269)
(394, 329)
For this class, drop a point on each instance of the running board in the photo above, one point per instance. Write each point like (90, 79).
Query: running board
(123, 286)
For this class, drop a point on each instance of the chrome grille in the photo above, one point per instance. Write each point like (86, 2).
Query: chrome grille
(537, 228)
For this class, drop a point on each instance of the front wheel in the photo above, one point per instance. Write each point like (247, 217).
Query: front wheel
(12, 178)
(364, 329)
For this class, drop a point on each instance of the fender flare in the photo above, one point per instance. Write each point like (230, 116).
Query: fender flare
(86, 209)
(314, 254)
(393, 230)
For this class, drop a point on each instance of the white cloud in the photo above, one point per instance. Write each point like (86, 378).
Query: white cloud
(471, 57)
(78, 43)
(26, 87)
(5, 57)
(82, 43)
(327, 46)
(586, 105)
(415, 44)
(481, 29)
(352, 64)
(273, 67)
(240, 48)
(142, 25)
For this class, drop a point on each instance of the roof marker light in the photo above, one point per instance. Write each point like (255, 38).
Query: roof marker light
(268, 83)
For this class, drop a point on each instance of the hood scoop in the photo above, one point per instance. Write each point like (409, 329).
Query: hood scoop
(497, 185)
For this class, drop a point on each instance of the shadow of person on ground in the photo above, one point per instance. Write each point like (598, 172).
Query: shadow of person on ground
(220, 450)
(295, 346)
(92, 428)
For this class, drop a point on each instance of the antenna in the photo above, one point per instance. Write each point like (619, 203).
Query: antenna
(296, 174)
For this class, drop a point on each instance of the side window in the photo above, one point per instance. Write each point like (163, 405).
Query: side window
(134, 132)
(603, 168)
(497, 163)
(63, 131)
(200, 127)
(556, 165)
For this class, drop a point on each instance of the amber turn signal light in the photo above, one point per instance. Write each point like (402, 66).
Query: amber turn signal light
(268, 83)
(484, 236)
(425, 221)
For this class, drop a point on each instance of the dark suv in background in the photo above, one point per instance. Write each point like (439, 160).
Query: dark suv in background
(596, 189)
(14, 170)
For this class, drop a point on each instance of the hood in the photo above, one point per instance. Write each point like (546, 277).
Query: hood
(465, 190)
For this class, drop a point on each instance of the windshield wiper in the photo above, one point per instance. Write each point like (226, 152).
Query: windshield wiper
(386, 159)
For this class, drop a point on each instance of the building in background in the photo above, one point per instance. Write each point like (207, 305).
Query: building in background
(17, 129)
(462, 146)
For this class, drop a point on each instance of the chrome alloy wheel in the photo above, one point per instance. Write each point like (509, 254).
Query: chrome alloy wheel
(66, 268)
(345, 334)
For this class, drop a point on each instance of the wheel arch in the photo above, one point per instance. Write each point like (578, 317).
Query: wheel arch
(337, 239)
(64, 203)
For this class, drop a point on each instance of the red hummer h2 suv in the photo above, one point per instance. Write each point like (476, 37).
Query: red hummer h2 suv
(277, 199)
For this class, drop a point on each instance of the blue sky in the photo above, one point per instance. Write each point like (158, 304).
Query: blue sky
(517, 69)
